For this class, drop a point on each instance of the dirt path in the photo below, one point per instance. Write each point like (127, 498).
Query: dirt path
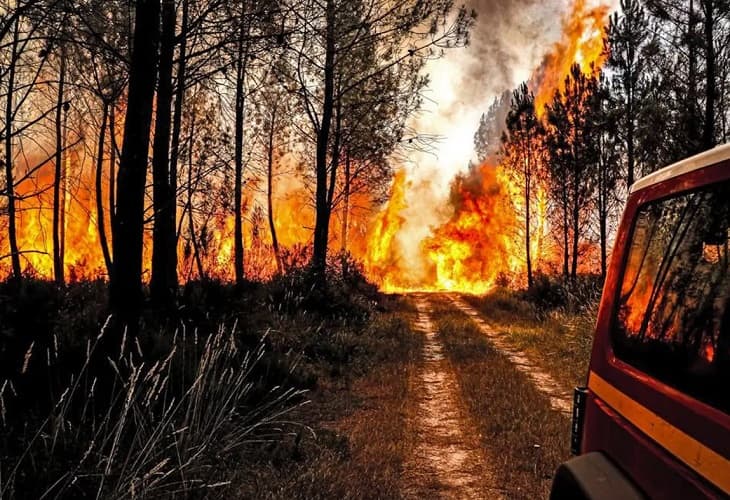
(560, 399)
(447, 461)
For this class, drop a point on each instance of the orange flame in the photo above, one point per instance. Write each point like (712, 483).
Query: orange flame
(582, 43)
(480, 244)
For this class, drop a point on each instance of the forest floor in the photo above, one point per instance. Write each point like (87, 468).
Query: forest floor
(461, 408)
(395, 396)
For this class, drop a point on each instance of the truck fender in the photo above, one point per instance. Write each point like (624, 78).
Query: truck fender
(592, 477)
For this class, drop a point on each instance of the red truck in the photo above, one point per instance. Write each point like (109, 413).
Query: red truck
(654, 419)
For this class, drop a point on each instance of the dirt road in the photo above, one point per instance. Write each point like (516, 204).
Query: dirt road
(447, 461)
(449, 458)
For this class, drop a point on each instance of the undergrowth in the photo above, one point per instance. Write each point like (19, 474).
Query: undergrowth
(200, 391)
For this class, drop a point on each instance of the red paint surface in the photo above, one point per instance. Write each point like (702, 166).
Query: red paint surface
(658, 473)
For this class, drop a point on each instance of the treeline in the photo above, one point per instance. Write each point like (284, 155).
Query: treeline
(186, 107)
(661, 96)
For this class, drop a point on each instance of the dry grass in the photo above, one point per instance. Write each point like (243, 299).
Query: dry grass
(558, 341)
(516, 424)
(213, 414)
(142, 436)
(359, 438)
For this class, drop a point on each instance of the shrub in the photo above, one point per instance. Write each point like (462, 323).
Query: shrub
(549, 293)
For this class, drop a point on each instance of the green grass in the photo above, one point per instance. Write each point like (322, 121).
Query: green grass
(524, 438)
(558, 341)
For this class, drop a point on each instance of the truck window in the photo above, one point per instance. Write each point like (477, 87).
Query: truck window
(673, 319)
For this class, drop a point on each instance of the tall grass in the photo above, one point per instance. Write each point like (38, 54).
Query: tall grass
(145, 430)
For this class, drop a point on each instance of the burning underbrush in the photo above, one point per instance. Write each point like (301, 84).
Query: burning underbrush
(469, 252)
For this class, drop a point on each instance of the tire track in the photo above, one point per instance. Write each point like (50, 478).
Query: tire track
(447, 460)
(560, 399)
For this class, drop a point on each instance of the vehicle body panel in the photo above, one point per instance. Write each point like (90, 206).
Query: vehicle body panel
(679, 422)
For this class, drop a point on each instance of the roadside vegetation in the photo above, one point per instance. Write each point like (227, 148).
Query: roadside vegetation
(263, 390)
(552, 322)
(525, 438)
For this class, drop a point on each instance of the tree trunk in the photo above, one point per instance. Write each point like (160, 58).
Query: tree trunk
(10, 181)
(346, 214)
(100, 223)
(630, 155)
(242, 55)
(125, 287)
(59, 184)
(270, 190)
(603, 211)
(692, 124)
(708, 136)
(163, 282)
(191, 219)
(112, 166)
(323, 210)
(566, 230)
(576, 229)
(179, 99)
(528, 200)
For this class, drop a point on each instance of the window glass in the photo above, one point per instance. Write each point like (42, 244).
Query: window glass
(673, 316)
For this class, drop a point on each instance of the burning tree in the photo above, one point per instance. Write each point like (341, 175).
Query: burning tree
(396, 40)
(523, 157)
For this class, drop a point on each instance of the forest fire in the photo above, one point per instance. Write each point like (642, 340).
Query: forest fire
(583, 33)
(82, 251)
(478, 244)
(474, 244)
(209, 253)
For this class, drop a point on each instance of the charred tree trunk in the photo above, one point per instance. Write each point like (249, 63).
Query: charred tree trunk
(270, 190)
(59, 179)
(163, 282)
(100, 223)
(125, 287)
(9, 179)
(323, 210)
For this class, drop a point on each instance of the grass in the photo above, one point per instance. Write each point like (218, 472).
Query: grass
(558, 340)
(149, 432)
(525, 438)
(358, 439)
(213, 403)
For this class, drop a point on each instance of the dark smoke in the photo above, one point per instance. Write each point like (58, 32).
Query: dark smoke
(507, 35)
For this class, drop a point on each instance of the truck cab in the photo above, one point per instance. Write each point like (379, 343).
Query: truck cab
(654, 418)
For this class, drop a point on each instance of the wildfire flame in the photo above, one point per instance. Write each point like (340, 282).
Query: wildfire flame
(479, 244)
(582, 43)
(472, 247)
